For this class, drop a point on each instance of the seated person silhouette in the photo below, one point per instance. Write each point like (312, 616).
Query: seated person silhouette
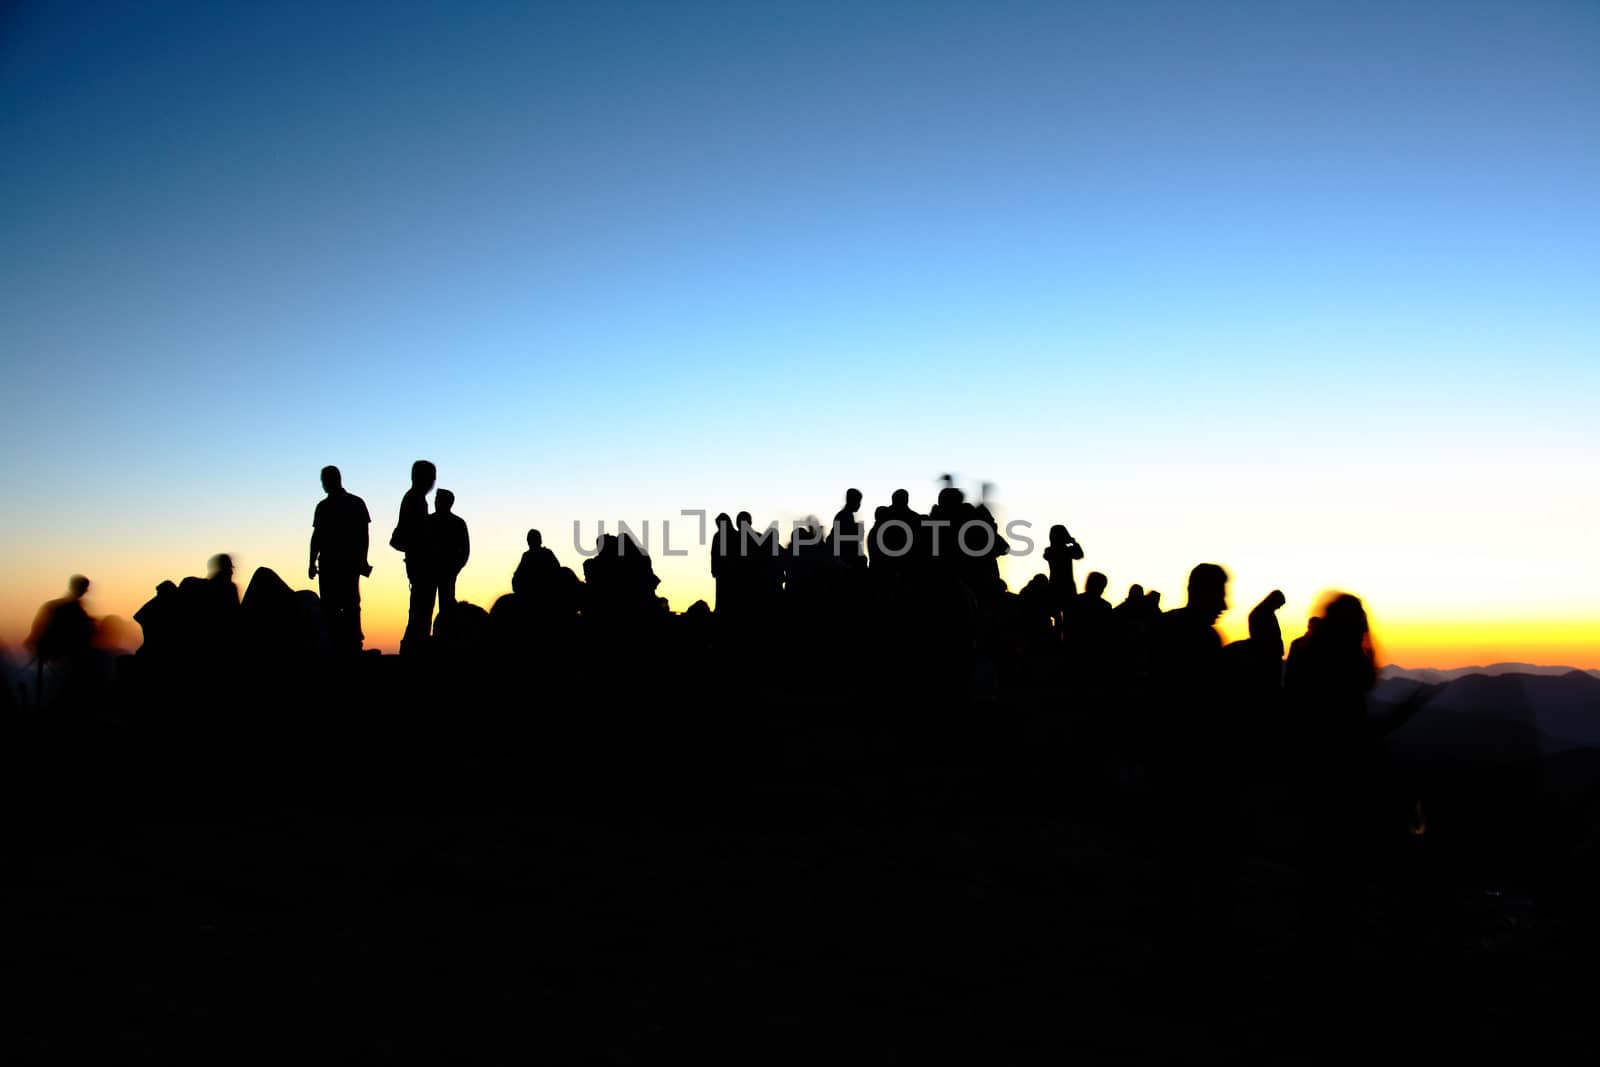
(339, 542)
(537, 569)
(448, 546)
(411, 537)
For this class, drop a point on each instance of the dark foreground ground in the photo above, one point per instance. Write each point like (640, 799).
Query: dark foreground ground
(389, 869)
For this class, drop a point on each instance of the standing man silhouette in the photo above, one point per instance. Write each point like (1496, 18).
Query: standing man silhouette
(63, 633)
(845, 538)
(339, 542)
(448, 546)
(411, 537)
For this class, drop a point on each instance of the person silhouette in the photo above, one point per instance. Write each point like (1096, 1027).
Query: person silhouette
(1096, 608)
(1265, 631)
(411, 537)
(1189, 760)
(62, 633)
(894, 539)
(758, 574)
(536, 570)
(219, 610)
(219, 573)
(1186, 656)
(339, 543)
(1351, 802)
(1060, 553)
(981, 547)
(724, 568)
(1329, 674)
(1195, 622)
(845, 540)
(449, 547)
(62, 629)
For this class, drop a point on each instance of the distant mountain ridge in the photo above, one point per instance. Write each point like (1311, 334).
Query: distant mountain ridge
(1498, 715)
(1435, 676)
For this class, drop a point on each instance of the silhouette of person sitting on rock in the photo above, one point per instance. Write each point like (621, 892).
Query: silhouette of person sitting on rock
(537, 569)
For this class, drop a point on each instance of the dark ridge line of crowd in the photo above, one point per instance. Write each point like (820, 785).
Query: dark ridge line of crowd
(840, 621)
(916, 589)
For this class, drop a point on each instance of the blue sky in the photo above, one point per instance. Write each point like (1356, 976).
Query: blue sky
(617, 259)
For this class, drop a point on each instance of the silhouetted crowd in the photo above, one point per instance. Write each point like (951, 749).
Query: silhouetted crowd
(900, 627)
(909, 612)
(914, 601)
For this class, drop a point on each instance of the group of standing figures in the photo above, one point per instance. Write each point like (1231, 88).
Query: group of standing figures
(436, 546)
(910, 612)
(915, 597)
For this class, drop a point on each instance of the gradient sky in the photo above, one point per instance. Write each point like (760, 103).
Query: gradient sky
(1308, 289)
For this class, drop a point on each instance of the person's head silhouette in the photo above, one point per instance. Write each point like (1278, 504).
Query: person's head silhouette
(77, 586)
(535, 539)
(900, 498)
(1208, 591)
(743, 520)
(852, 500)
(1059, 536)
(423, 475)
(443, 501)
(332, 480)
(220, 568)
(1094, 585)
(1345, 618)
